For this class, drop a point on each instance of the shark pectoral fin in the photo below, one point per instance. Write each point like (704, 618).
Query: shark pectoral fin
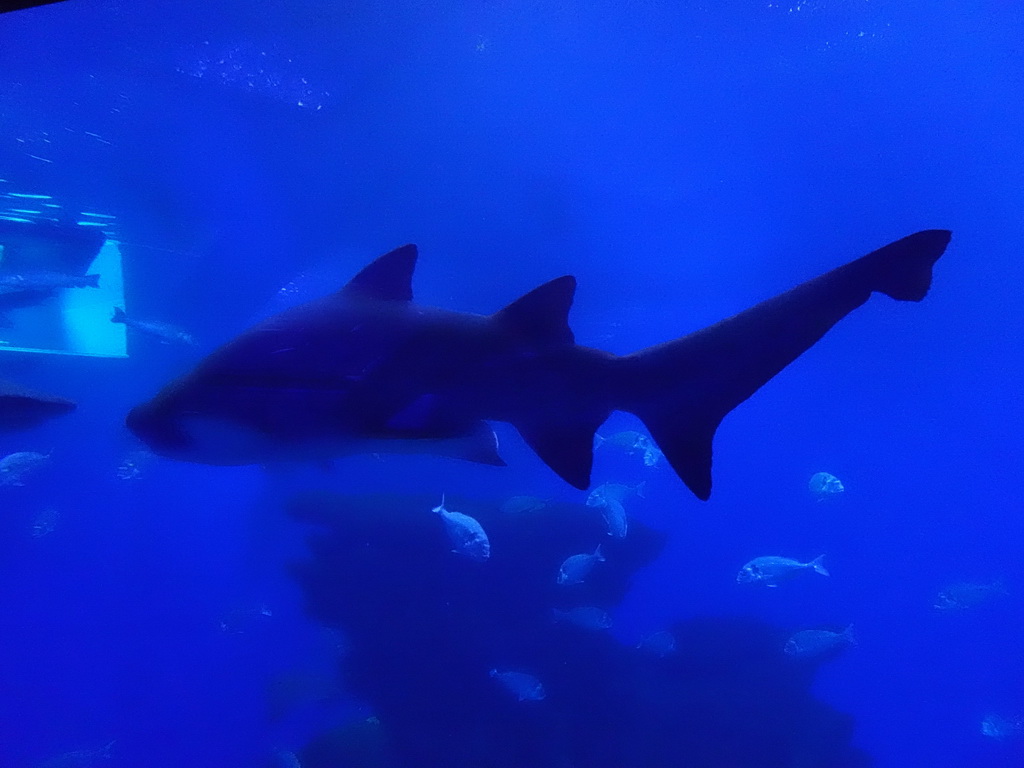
(568, 449)
(387, 278)
(685, 438)
(542, 315)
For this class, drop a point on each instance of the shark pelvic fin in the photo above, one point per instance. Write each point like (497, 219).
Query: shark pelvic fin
(542, 315)
(386, 278)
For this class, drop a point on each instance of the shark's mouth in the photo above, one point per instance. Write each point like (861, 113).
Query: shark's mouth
(163, 435)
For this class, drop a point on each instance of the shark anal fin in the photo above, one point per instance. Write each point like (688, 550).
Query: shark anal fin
(542, 315)
(386, 278)
(567, 448)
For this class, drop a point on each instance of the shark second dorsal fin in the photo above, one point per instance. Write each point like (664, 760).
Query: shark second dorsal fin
(542, 315)
(386, 278)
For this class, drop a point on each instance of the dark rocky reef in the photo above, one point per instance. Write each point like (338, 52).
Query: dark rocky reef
(425, 626)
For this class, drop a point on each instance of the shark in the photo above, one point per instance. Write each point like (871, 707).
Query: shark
(367, 370)
(22, 408)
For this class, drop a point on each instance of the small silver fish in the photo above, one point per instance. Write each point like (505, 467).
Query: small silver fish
(466, 535)
(615, 492)
(45, 523)
(629, 441)
(615, 520)
(608, 499)
(284, 758)
(824, 486)
(632, 443)
(1003, 728)
(241, 619)
(576, 568)
(40, 282)
(523, 686)
(517, 505)
(131, 466)
(585, 616)
(165, 333)
(772, 570)
(659, 644)
(652, 456)
(16, 466)
(815, 643)
(80, 758)
(965, 595)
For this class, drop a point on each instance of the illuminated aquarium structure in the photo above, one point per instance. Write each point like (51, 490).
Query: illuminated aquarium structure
(60, 278)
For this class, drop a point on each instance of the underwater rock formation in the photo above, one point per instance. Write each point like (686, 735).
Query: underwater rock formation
(425, 626)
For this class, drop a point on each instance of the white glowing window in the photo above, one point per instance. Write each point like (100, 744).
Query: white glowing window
(37, 313)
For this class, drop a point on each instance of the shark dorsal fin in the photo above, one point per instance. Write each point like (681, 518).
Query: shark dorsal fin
(542, 315)
(386, 278)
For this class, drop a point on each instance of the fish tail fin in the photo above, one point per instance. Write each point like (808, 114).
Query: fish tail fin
(818, 565)
(119, 316)
(440, 507)
(683, 389)
(599, 554)
(849, 636)
(640, 488)
(91, 281)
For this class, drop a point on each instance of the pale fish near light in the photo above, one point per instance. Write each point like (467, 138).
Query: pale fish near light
(772, 570)
(659, 644)
(584, 616)
(817, 643)
(824, 486)
(576, 568)
(524, 686)
(466, 535)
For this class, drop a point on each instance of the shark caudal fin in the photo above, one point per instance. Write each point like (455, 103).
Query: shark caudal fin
(903, 270)
(683, 389)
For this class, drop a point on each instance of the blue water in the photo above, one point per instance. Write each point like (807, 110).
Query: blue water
(684, 160)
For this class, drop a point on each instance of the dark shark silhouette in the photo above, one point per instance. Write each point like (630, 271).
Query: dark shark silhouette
(366, 370)
(21, 407)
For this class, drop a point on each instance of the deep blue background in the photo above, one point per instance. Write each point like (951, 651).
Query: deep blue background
(684, 160)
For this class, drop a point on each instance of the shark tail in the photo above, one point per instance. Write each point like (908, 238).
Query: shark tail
(119, 316)
(683, 389)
